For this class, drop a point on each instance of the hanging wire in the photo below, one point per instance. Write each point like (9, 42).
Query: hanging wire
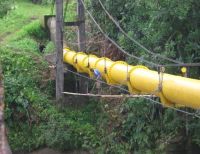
(88, 64)
(151, 63)
(127, 73)
(112, 41)
(104, 55)
(133, 56)
(87, 43)
(177, 63)
(173, 108)
(147, 98)
(182, 65)
(78, 74)
(161, 71)
(132, 39)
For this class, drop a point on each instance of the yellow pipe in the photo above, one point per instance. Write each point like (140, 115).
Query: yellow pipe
(173, 90)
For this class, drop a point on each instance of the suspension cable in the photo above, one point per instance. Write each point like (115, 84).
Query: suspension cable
(182, 65)
(132, 39)
(147, 98)
(112, 41)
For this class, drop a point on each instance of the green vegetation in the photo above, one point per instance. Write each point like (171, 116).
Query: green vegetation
(50, 48)
(120, 126)
(32, 119)
(22, 14)
(164, 27)
(167, 27)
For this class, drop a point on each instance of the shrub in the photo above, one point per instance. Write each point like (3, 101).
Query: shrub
(33, 30)
(50, 48)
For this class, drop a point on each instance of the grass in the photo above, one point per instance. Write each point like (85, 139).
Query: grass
(23, 13)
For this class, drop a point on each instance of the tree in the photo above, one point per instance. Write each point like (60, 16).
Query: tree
(167, 27)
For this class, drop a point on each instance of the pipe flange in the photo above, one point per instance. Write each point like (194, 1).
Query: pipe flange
(84, 59)
(109, 70)
(131, 87)
(104, 74)
(88, 61)
(103, 58)
(87, 64)
(136, 67)
(78, 53)
(75, 61)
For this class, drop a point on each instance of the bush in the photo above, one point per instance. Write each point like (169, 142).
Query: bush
(50, 48)
(163, 27)
(32, 118)
(33, 30)
(70, 131)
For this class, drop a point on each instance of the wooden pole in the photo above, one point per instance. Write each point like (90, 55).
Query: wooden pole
(81, 39)
(59, 49)
(81, 26)
(4, 146)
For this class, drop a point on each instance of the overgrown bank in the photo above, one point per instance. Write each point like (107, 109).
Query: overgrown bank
(32, 119)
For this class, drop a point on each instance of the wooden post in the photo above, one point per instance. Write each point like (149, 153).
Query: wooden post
(81, 26)
(4, 146)
(81, 39)
(59, 49)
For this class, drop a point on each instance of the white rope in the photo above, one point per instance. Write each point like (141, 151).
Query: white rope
(107, 96)
(147, 98)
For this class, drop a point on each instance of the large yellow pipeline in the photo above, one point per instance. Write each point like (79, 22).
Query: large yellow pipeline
(173, 90)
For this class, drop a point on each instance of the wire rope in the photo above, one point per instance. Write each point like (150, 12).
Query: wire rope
(134, 40)
(147, 98)
(112, 41)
